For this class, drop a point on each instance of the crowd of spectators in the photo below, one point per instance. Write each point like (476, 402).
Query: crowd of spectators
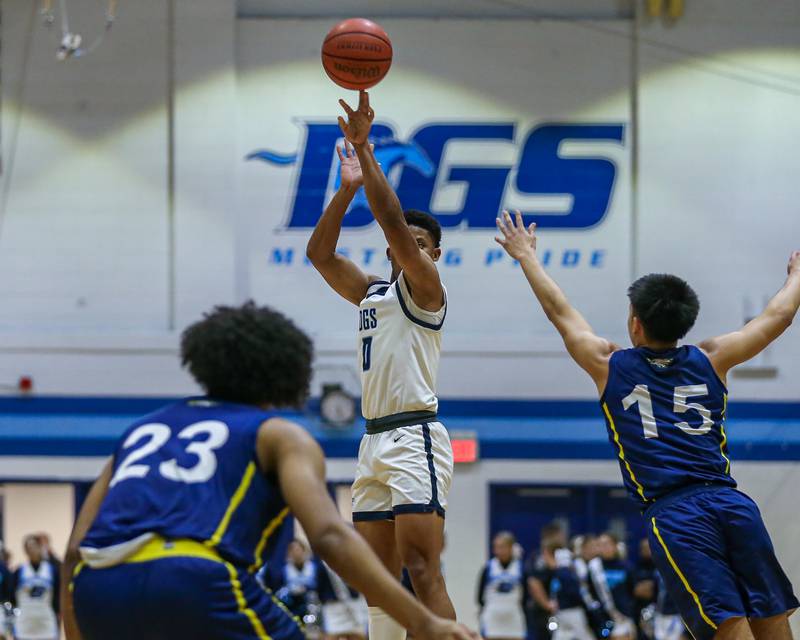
(585, 588)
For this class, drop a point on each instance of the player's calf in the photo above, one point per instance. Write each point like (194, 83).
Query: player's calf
(420, 539)
(774, 628)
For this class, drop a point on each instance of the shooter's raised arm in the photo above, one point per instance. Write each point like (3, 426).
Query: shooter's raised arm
(726, 351)
(587, 349)
(343, 275)
(418, 267)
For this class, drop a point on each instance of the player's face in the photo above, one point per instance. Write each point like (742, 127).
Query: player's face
(589, 549)
(608, 549)
(502, 549)
(33, 550)
(424, 241)
(296, 553)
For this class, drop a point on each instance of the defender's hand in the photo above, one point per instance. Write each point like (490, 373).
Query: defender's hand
(359, 122)
(516, 239)
(794, 263)
(350, 169)
(441, 629)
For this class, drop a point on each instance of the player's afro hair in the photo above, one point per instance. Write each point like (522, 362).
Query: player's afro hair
(666, 306)
(249, 355)
(425, 221)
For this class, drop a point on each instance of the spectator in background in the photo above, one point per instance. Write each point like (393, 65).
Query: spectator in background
(6, 596)
(556, 585)
(36, 593)
(613, 583)
(586, 554)
(344, 610)
(47, 550)
(570, 589)
(540, 572)
(295, 583)
(501, 592)
(644, 583)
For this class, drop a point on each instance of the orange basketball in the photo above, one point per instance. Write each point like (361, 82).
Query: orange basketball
(357, 54)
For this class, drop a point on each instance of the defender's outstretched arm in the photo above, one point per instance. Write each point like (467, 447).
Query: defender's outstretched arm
(726, 351)
(288, 451)
(72, 557)
(343, 275)
(417, 266)
(587, 349)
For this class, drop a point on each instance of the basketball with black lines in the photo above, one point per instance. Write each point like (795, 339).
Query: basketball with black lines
(357, 54)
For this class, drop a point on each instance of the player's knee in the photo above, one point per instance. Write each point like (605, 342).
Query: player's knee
(734, 629)
(423, 569)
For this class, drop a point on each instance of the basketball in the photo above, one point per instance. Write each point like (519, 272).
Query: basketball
(357, 54)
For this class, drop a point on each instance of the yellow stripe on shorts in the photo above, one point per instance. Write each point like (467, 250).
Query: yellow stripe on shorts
(682, 577)
(236, 587)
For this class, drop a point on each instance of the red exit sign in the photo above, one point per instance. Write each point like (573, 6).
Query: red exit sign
(465, 447)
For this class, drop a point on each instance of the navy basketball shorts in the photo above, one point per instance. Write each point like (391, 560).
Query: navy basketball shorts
(716, 557)
(178, 598)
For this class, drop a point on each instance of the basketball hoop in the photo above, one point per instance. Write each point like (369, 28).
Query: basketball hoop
(72, 44)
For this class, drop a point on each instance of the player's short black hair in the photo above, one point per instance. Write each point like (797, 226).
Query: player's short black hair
(425, 221)
(250, 355)
(666, 306)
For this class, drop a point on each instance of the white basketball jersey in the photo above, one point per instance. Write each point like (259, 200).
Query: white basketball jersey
(504, 585)
(398, 345)
(37, 620)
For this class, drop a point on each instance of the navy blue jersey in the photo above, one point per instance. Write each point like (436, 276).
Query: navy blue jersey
(664, 412)
(566, 588)
(619, 578)
(190, 471)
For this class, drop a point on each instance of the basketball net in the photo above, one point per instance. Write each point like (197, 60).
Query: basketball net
(72, 45)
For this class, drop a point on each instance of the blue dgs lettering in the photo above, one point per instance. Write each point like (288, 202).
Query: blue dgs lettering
(367, 319)
(541, 169)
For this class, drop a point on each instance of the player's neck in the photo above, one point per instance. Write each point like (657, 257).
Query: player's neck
(656, 346)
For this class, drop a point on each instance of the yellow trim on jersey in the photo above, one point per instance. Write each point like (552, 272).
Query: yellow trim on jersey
(236, 500)
(276, 522)
(724, 437)
(639, 487)
(75, 572)
(681, 576)
(78, 568)
(236, 587)
(159, 548)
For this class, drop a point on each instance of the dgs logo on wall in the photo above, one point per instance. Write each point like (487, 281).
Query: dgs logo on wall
(415, 168)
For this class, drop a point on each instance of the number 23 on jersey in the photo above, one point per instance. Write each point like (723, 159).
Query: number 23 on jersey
(153, 436)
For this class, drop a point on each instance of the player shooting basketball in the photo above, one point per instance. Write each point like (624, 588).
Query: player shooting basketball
(405, 463)
(664, 407)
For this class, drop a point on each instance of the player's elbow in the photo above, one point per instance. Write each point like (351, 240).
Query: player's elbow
(318, 257)
(313, 254)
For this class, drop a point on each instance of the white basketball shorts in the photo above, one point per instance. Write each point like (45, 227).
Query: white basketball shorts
(408, 469)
